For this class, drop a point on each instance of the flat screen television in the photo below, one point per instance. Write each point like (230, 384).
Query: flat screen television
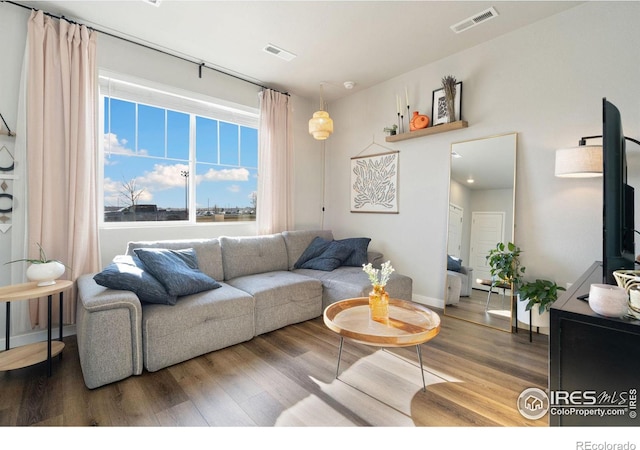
(618, 252)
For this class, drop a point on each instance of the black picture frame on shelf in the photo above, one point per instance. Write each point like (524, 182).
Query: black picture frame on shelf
(438, 105)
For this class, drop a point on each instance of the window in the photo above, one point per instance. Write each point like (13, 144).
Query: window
(168, 156)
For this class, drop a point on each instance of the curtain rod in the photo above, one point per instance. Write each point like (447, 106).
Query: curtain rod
(199, 64)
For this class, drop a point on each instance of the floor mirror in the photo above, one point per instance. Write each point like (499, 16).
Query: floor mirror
(481, 214)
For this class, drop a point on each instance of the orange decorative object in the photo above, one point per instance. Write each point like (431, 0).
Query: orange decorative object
(418, 121)
(379, 304)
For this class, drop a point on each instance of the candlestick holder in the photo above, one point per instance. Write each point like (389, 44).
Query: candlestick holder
(399, 124)
(408, 118)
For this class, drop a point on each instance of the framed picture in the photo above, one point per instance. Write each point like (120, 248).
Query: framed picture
(439, 105)
(374, 183)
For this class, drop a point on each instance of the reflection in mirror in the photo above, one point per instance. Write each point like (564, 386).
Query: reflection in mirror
(481, 212)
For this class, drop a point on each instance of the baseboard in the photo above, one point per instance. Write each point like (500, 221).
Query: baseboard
(37, 336)
(428, 301)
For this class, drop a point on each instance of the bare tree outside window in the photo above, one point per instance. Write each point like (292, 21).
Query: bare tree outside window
(130, 192)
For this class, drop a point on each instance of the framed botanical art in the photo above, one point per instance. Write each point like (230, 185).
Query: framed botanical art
(439, 105)
(374, 183)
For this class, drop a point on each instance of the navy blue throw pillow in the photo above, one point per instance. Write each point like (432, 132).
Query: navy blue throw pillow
(315, 249)
(454, 264)
(177, 270)
(323, 255)
(128, 273)
(359, 248)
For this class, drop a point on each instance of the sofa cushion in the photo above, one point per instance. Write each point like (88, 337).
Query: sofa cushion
(359, 248)
(248, 255)
(128, 273)
(198, 324)
(297, 241)
(350, 282)
(281, 298)
(177, 270)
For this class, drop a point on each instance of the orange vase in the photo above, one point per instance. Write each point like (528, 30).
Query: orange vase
(379, 304)
(418, 121)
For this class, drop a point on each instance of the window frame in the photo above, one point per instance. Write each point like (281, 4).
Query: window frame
(194, 104)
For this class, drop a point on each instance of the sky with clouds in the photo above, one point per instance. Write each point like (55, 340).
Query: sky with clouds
(155, 156)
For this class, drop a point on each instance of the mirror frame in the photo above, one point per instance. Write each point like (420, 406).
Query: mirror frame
(509, 236)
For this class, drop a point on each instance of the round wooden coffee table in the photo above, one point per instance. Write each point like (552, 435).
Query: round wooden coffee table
(409, 324)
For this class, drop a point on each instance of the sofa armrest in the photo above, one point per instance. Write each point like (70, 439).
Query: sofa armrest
(467, 281)
(109, 333)
(454, 286)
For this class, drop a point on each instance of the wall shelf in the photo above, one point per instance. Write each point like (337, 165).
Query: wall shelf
(428, 131)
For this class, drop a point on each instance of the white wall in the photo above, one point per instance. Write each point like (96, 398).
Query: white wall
(545, 82)
(13, 29)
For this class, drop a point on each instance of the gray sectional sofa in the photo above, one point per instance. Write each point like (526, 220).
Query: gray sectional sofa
(260, 290)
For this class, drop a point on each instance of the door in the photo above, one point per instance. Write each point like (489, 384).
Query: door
(454, 243)
(487, 229)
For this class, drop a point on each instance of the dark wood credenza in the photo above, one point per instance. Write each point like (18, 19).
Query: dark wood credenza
(589, 352)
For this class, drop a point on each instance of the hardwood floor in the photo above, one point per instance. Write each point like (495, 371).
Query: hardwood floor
(473, 308)
(287, 378)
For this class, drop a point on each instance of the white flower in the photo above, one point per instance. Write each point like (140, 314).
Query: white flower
(380, 276)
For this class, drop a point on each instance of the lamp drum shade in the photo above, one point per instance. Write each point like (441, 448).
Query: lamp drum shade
(320, 125)
(584, 161)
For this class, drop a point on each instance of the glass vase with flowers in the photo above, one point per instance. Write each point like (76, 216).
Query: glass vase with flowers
(378, 297)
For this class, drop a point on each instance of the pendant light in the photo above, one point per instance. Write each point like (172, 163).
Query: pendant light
(321, 125)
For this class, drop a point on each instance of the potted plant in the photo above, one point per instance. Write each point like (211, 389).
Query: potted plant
(506, 268)
(391, 130)
(537, 296)
(43, 270)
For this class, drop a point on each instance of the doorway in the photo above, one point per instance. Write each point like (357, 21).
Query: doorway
(454, 242)
(487, 229)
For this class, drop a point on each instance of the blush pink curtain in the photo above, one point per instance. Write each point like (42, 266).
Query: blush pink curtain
(275, 164)
(61, 151)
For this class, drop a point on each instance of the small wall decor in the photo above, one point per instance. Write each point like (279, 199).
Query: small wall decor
(374, 183)
(7, 165)
(7, 162)
(439, 105)
(8, 132)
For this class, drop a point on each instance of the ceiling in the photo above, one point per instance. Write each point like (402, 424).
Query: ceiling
(489, 162)
(366, 42)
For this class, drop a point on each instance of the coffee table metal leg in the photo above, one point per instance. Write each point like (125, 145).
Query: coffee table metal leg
(419, 350)
(7, 327)
(339, 356)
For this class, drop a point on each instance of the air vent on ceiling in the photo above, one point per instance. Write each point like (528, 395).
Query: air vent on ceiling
(472, 21)
(279, 52)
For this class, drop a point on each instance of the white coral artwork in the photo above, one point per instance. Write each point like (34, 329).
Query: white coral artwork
(374, 183)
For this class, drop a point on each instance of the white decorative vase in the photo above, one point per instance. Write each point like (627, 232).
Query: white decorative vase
(45, 274)
(537, 319)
